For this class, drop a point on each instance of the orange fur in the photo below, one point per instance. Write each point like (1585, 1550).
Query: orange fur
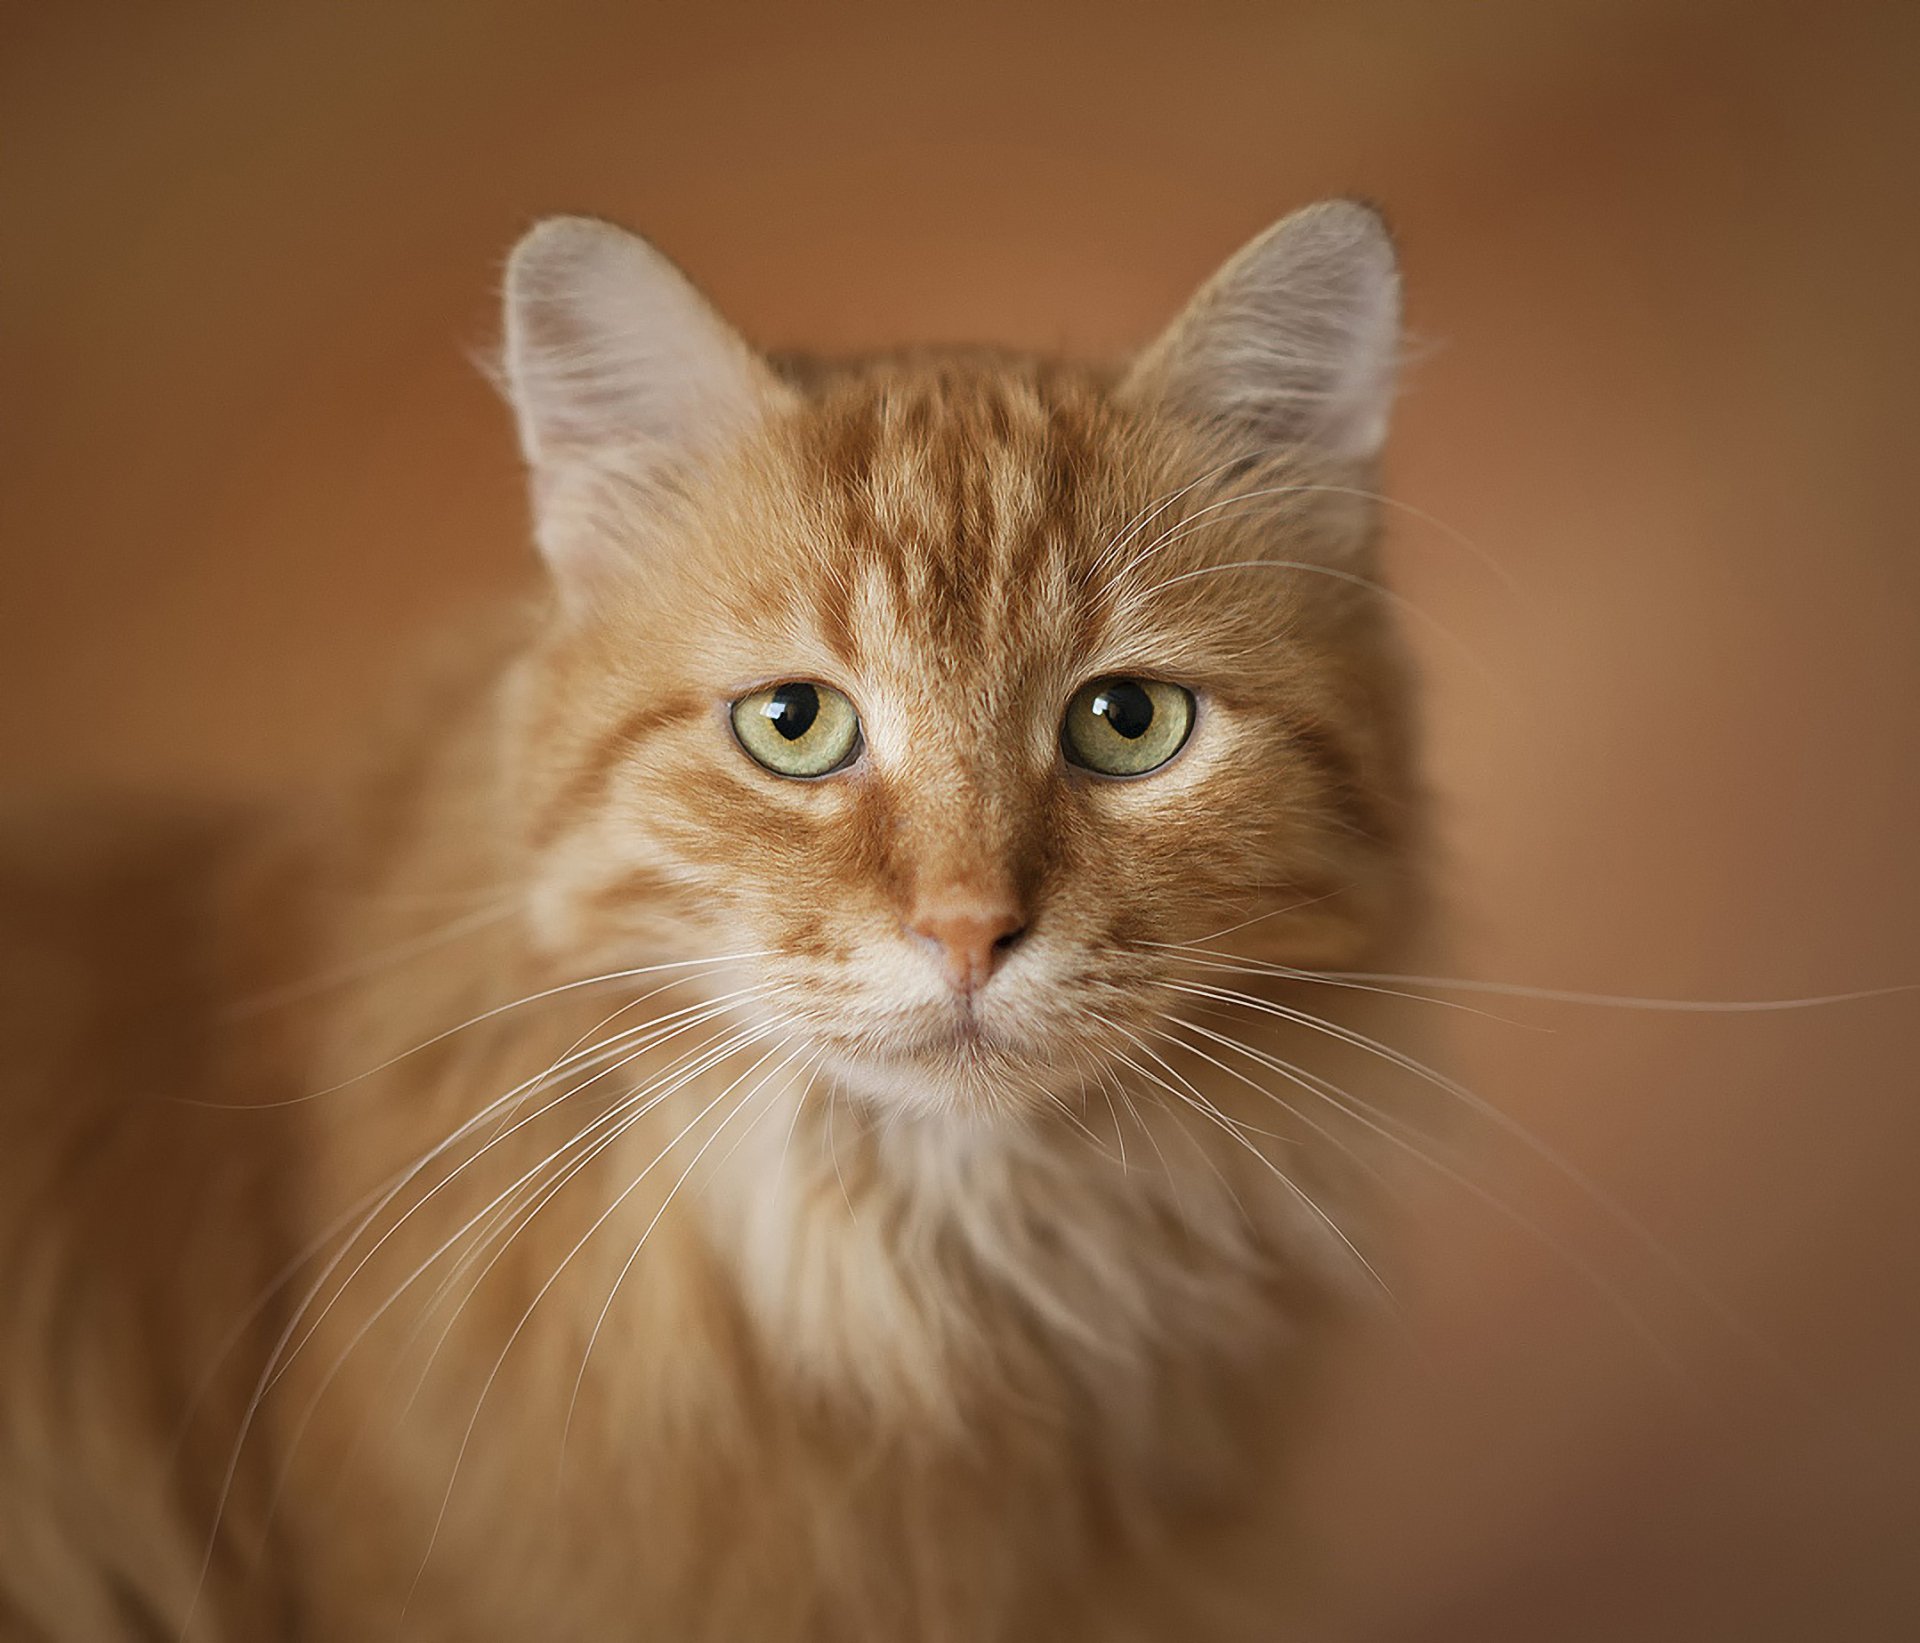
(869, 1325)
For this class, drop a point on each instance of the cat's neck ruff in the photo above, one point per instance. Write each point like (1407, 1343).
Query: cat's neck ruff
(919, 1263)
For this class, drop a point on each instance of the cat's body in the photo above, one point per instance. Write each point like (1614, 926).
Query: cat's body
(903, 1307)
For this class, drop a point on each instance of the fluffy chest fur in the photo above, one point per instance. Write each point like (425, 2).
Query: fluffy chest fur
(766, 1369)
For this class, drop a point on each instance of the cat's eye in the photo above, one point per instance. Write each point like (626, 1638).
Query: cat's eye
(798, 729)
(1126, 727)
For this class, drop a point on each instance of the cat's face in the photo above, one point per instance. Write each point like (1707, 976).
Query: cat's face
(945, 693)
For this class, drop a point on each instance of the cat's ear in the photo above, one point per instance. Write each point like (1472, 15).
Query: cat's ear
(618, 371)
(1293, 343)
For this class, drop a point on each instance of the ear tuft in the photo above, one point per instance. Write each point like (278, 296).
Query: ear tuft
(1294, 342)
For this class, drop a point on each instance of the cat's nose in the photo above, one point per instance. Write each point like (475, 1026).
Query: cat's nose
(973, 934)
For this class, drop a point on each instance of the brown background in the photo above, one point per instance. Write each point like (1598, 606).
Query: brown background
(1665, 274)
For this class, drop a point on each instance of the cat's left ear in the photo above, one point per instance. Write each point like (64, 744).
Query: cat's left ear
(1293, 344)
(619, 373)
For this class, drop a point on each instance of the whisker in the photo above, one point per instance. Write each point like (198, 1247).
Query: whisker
(1606, 1202)
(359, 969)
(1033, 1086)
(1168, 1173)
(1234, 964)
(1372, 1119)
(1151, 512)
(586, 1038)
(853, 1214)
(512, 1219)
(1292, 1111)
(1189, 523)
(627, 1052)
(1452, 533)
(1119, 1130)
(621, 1118)
(256, 1307)
(634, 1104)
(1399, 601)
(544, 1290)
(1193, 1097)
(1261, 918)
(599, 1321)
(1615, 1001)
(231, 1471)
(608, 979)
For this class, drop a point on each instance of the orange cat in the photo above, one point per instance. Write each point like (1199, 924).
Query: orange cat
(787, 1106)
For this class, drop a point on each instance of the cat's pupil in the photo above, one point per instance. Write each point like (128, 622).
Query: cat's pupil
(1126, 707)
(793, 708)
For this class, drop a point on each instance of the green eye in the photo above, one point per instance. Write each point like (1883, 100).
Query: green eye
(798, 729)
(1126, 727)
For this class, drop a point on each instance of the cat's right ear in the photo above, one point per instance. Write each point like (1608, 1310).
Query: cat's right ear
(619, 372)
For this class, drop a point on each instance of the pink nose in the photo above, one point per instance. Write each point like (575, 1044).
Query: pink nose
(973, 934)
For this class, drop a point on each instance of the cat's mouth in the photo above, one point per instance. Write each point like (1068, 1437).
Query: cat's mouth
(992, 1046)
(960, 1042)
(960, 1034)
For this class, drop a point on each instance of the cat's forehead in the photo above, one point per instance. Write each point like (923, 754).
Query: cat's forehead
(986, 470)
(957, 515)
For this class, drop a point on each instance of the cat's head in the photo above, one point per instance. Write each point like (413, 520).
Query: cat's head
(956, 689)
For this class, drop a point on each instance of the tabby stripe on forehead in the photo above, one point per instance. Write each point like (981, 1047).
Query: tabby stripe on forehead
(583, 788)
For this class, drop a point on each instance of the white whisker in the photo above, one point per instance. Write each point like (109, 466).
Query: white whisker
(398, 1185)
(539, 1296)
(1193, 1097)
(629, 1111)
(600, 1321)
(608, 979)
(1606, 1202)
(377, 963)
(1372, 1119)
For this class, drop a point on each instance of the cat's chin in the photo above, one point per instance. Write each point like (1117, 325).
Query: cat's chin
(966, 1069)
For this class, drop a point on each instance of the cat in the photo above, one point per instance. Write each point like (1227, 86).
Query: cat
(807, 1092)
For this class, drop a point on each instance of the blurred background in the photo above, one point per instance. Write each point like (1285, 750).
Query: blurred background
(1659, 430)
